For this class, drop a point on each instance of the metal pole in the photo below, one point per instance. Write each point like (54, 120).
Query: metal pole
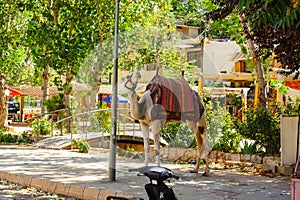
(113, 140)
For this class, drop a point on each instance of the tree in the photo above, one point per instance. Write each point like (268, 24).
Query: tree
(3, 109)
(146, 32)
(59, 34)
(15, 65)
(270, 27)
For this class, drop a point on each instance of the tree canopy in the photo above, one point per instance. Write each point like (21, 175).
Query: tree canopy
(274, 26)
(14, 56)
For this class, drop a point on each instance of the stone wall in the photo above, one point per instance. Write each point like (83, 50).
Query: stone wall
(263, 164)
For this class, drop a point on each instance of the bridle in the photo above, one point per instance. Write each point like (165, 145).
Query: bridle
(129, 80)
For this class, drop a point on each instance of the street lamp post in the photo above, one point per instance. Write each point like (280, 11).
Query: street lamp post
(113, 140)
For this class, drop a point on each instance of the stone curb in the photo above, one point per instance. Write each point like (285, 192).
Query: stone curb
(65, 189)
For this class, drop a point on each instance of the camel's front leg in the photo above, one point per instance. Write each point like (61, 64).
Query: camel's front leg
(145, 130)
(156, 127)
(206, 151)
(199, 141)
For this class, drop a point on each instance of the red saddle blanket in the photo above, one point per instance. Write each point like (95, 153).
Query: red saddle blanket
(175, 95)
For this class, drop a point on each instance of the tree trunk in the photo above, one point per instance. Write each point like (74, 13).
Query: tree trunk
(67, 90)
(3, 106)
(45, 88)
(260, 75)
(259, 67)
(261, 84)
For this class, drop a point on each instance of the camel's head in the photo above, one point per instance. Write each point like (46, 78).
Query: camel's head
(131, 80)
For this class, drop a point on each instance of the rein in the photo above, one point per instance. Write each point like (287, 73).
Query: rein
(134, 85)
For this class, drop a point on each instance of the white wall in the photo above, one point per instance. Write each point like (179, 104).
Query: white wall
(288, 139)
(219, 56)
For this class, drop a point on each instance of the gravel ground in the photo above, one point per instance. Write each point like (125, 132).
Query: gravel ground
(10, 191)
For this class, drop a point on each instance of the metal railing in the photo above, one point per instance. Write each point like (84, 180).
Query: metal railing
(87, 122)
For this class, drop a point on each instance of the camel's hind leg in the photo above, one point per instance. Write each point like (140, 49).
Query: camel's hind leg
(194, 128)
(145, 130)
(156, 126)
(205, 145)
(206, 151)
(205, 148)
(202, 143)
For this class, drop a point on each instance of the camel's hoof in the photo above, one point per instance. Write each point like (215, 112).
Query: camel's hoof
(194, 171)
(205, 174)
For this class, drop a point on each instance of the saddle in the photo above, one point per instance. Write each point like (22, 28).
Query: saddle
(174, 99)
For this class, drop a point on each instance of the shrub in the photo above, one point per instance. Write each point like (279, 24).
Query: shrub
(128, 152)
(250, 147)
(56, 102)
(292, 106)
(25, 138)
(82, 146)
(262, 126)
(221, 130)
(104, 118)
(7, 138)
(178, 134)
(41, 127)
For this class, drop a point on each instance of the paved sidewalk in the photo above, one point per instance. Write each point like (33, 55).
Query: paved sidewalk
(86, 176)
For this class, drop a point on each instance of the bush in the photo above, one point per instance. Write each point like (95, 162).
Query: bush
(221, 130)
(15, 139)
(178, 134)
(251, 147)
(292, 106)
(82, 146)
(41, 126)
(225, 132)
(25, 138)
(128, 152)
(104, 118)
(55, 103)
(9, 138)
(262, 126)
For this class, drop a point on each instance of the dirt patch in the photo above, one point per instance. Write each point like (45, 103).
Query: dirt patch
(9, 191)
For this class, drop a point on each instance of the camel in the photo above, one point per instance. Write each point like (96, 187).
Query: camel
(147, 109)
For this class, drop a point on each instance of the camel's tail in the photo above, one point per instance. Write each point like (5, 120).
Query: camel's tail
(202, 128)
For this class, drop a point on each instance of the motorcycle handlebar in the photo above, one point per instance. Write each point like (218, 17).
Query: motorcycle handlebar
(155, 173)
(134, 170)
(175, 177)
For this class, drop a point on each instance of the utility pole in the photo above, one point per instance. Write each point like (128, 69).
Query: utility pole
(113, 134)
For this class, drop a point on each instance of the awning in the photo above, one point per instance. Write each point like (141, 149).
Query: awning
(294, 84)
(13, 93)
(121, 99)
(36, 91)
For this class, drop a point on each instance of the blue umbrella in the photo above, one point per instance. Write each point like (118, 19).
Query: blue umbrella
(121, 99)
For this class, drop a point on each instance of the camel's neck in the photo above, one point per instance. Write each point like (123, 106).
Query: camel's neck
(136, 108)
(139, 108)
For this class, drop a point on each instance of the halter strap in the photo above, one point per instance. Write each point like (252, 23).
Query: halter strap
(134, 85)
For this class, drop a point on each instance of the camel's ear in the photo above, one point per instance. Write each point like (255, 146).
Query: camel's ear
(138, 75)
(125, 77)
